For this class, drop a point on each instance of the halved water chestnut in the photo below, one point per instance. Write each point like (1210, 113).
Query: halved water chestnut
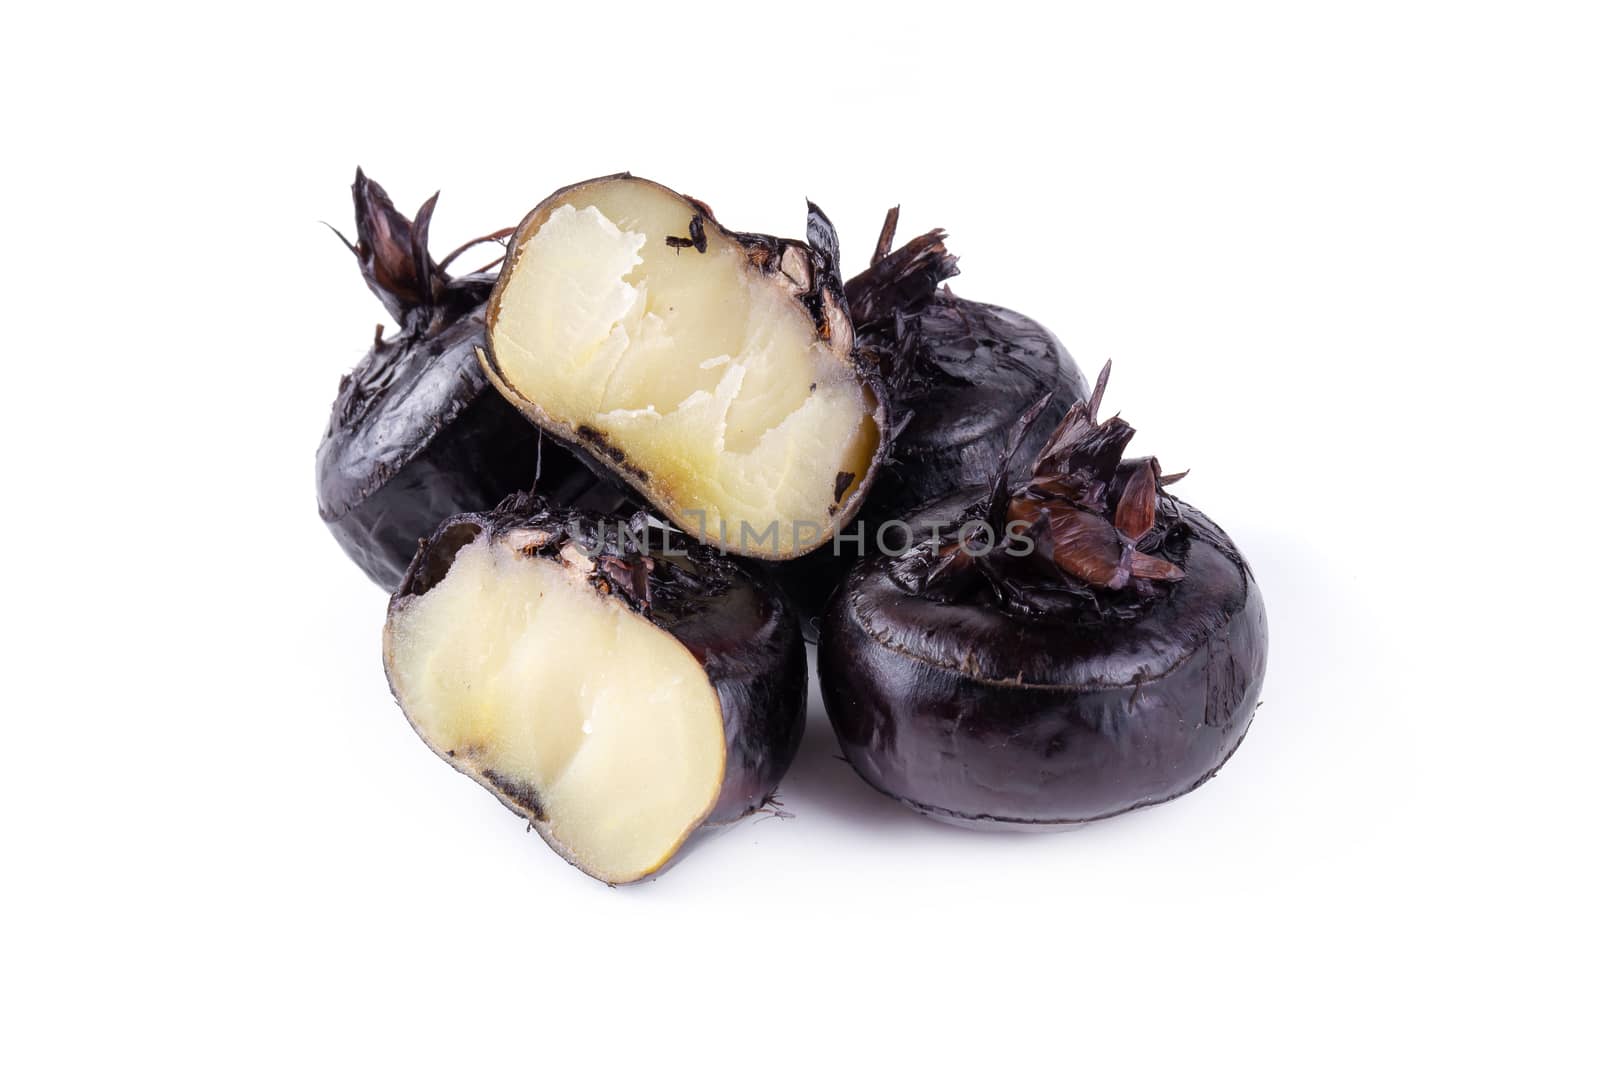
(617, 685)
(1048, 653)
(713, 371)
(417, 434)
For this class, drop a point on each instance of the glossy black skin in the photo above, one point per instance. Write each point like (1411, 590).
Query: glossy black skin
(749, 642)
(978, 369)
(417, 433)
(978, 715)
(433, 440)
(975, 369)
(728, 614)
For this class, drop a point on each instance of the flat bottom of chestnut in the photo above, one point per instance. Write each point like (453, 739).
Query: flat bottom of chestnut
(601, 729)
(994, 824)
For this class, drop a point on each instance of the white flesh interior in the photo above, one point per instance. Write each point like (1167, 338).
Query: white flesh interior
(707, 374)
(519, 668)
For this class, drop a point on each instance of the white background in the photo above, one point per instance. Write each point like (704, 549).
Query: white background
(1346, 260)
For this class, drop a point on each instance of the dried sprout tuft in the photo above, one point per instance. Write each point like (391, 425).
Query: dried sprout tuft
(1084, 527)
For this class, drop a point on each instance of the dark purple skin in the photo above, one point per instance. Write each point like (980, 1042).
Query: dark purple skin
(960, 376)
(728, 614)
(988, 716)
(977, 369)
(417, 433)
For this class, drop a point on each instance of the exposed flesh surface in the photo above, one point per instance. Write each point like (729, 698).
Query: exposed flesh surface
(703, 371)
(581, 714)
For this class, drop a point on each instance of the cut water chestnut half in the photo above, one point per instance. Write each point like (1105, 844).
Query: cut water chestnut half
(617, 686)
(714, 371)
(1048, 653)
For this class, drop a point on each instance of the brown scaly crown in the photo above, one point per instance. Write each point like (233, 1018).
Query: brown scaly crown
(419, 293)
(901, 280)
(1092, 520)
(898, 283)
(1087, 508)
(392, 252)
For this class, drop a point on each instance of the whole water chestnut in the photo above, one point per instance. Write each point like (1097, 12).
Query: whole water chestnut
(1050, 653)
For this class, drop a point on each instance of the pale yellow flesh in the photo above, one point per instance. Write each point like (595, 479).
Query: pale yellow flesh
(707, 375)
(521, 670)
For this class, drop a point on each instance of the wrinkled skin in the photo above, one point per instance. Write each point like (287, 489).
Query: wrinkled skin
(417, 434)
(439, 441)
(978, 714)
(960, 375)
(977, 369)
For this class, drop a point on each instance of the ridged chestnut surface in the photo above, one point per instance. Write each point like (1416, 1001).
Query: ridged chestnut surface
(1049, 653)
(971, 713)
